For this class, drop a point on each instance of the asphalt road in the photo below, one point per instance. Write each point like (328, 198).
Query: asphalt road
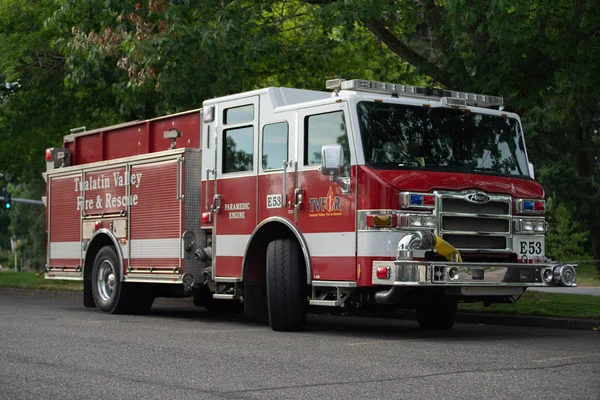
(53, 348)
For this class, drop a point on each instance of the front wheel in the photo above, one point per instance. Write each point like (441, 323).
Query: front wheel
(437, 314)
(286, 286)
(107, 288)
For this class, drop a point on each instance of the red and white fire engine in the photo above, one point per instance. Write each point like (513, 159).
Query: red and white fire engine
(372, 195)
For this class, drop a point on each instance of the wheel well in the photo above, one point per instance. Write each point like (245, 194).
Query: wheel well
(254, 270)
(94, 247)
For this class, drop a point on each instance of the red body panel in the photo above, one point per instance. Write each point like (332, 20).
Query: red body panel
(334, 268)
(133, 139)
(325, 209)
(229, 266)
(383, 185)
(237, 218)
(238, 206)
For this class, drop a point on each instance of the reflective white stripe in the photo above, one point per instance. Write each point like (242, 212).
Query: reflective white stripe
(231, 245)
(156, 248)
(331, 244)
(381, 244)
(65, 250)
(378, 244)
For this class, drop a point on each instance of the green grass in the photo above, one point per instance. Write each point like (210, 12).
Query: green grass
(587, 274)
(543, 305)
(28, 280)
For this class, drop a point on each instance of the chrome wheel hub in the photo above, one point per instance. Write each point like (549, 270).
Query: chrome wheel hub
(106, 281)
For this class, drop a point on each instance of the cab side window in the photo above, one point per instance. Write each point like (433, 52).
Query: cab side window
(238, 149)
(275, 145)
(322, 129)
(238, 141)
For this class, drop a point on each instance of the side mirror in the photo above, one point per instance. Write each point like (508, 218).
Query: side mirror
(531, 173)
(332, 165)
(332, 160)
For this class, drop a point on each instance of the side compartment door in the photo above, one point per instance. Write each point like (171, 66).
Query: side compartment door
(326, 214)
(155, 210)
(235, 201)
(65, 210)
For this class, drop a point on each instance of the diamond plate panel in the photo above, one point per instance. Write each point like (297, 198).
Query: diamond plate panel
(192, 198)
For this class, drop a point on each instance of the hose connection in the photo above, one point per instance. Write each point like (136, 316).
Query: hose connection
(426, 241)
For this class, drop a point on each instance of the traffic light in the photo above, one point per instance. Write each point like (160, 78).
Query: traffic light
(7, 201)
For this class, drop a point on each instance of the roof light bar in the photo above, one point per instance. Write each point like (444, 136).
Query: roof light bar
(362, 85)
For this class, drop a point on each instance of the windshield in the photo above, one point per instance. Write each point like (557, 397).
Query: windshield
(414, 137)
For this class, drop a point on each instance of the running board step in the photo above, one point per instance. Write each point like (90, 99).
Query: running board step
(328, 303)
(223, 296)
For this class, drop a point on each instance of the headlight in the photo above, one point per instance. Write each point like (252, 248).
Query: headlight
(428, 222)
(564, 275)
(527, 225)
(524, 225)
(539, 226)
(547, 275)
(421, 221)
(417, 221)
(453, 274)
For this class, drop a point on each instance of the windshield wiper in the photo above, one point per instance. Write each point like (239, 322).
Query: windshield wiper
(466, 169)
(484, 171)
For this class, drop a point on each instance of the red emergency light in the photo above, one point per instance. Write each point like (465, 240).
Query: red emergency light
(383, 272)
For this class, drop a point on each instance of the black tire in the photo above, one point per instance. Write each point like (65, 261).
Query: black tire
(286, 286)
(437, 314)
(107, 289)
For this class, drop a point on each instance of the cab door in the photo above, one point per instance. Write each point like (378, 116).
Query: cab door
(325, 213)
(235, 189)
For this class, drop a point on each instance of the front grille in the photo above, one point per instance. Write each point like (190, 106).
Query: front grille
(458, 205)
(462, 242)
(475, 226)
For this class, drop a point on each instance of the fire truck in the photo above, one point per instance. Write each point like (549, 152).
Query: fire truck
(368, 196)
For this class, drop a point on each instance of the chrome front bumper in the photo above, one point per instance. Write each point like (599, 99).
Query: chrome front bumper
(434, 273)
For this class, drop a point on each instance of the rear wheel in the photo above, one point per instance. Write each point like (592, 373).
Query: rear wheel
(107, 288)
(286, 286)
(437, 313)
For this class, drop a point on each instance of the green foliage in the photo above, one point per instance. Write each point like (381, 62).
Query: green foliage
(564, 241)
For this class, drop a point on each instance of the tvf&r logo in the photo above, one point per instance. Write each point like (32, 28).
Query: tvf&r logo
(325, 206)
